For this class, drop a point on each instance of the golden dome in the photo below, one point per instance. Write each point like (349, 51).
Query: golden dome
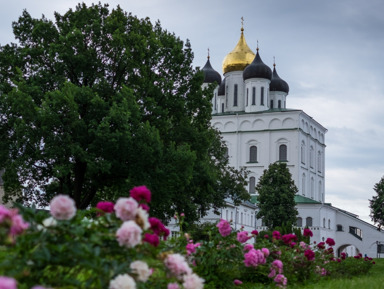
(239, 57)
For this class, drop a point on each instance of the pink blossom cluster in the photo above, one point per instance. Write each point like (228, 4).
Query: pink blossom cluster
(248, 247)
(179, 268)
(280, 280)
(158, 228)
(276, 235)
(276, 267)
(7, 283)
(254, 257)
(330, 242)
(242, 236)
(106, 207)
(237, 282)
(307, 233)
(12, 221)
(129, 234)
(289, 239)
(126, 208)
(224, 228)
(191, 248)
(62, 207)
(309, 254)
(141, 193)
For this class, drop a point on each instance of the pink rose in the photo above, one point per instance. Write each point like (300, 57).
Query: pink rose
(224, 228)
(129, 234)
(141, 193)
(62, 207)
(126, 208)
(307, 233)
(242, 236)
(7, 283)
(106, 207)
(152, 239)
(237, 282)
(192, 281)
(177, 265)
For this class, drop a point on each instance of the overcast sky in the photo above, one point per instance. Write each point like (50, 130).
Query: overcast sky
(331, 53)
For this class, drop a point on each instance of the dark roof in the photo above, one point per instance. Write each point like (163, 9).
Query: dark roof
(211, 75)
(257, 69)
(277, 84)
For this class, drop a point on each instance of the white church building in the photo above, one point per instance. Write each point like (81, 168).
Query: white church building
(249, 108)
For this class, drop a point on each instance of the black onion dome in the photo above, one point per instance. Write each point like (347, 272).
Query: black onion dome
(277, 84)
(257, 69)
(222, 88)
(211, 75)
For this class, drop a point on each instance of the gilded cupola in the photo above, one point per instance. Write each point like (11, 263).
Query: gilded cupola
(239, 57)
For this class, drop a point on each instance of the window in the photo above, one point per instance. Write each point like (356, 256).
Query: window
(215, 105)
(235, 95)
(339, 228)
(253, 154)
(222, 107)
(299, 222)
(247, 97)
(279, 103)
(253, 95)
(241, 218)
(319, 165)
(252, 185)
(320, 192)
(226, 97)
(231, 215)
(323, 222)
(356, 232)
(303, 181)
(302, 152)
(312, 188)
(329, 223)
(283, 153)
(308, 222)
(311, 156)
(262, 100)
(271, 103)
(226, 153)
(226, 215)
(262, 93)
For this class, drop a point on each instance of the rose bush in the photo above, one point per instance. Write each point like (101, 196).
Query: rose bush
(116, 246)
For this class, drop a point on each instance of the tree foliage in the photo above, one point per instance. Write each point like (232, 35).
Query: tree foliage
(276, 196)
(377, 204)
(98, 101)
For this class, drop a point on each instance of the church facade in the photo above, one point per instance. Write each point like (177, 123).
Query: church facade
(249, 108)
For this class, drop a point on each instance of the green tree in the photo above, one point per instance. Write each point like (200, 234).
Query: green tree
(377, 204)
(99, 101)
(276, 196)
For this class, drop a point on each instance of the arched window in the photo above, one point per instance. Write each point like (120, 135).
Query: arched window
(329, 223)
(320, 188)
(283, 153)
(303, 181)
(308, 222)
(279, 103)
(262, 100)
(271, 106)
(247, 97)
(311, 156)
(252, 185)
(222, 107)
(226, 96)
(235, 95)
(215, 104)
(262, 93)
(323, 222)
(319, 163)
(312, 188)
(302, 152)
(253, 95)
(226, 153)
(299, 222)
(253, 154)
